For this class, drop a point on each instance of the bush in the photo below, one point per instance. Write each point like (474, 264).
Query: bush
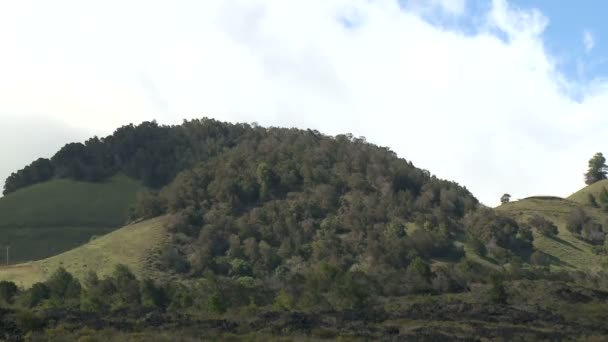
(576, 220)
(498, 292)
(477, 246)
(592, 201)
(37, 294)
(283, 301)
(491, 227)
(148, 204)
(8, 290)
(153, 295)
(63, 287)
(593, 233)
(539, 258)
(217, 303)
(28, 321)
(543, 226)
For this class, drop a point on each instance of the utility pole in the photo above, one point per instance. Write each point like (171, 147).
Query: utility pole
(7, 249)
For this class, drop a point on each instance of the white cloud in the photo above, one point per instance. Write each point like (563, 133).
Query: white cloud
(487, 112)
(451, 7)
(588, 40)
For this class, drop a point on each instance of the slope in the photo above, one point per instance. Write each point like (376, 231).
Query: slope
(54, 216)
(134, 246)
(582, 196)
(569, 251)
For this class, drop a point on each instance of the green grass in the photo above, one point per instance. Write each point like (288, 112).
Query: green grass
(570, 252)
(63, 202)
(49, 218)
(582, 196)
(134, 245)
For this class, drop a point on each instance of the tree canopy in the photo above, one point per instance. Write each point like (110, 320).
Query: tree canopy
(597, 169)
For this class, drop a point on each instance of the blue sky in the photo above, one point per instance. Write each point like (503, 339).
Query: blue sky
(574, 36)
(485, 93)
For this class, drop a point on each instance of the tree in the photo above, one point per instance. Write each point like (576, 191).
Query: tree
(217, 303)
(128, 293)
(597, 169)
(63, 286)
(37, 294)
(506, 198)
(8, 290)
(498, 293)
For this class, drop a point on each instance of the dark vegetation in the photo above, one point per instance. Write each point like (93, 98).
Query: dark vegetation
(283, 232)
(543, 225)
(149, 152)
(515, 304)
(597, 169)
(585, 227)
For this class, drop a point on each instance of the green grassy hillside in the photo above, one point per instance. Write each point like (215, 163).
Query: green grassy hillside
(55, 216)
(570, 251)
(582, 196)
(134, 245)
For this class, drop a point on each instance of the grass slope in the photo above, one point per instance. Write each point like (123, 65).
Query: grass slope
(134, 245)
(569, 251)
(582, 196)
(49, 218)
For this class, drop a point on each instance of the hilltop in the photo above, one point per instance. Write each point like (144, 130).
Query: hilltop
(583, 196)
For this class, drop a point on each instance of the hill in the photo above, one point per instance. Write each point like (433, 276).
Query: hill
(595, 189)
(261, 233)
(54, 216)
(133, 245)
(568, 250)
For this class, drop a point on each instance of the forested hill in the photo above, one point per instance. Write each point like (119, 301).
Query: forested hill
(256, 197)
(155, 154)
(316, 235)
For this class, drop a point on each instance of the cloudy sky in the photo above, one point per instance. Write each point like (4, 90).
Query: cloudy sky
(500, 96)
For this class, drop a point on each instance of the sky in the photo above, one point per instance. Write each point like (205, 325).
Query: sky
(499, 96)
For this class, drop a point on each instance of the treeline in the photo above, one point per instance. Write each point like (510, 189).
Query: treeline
(63, 305)
(148, 152)
(325, 287)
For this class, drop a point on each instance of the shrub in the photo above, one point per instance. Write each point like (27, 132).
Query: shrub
(37, 294)
(153, 295)
(8, 290)
(540, 259)
(283, 301)
(217, 303)
(498, 292)
(477, 246)
(62, 285)
(592, 201)
(576, 220)
(543, 226)
(28, 321)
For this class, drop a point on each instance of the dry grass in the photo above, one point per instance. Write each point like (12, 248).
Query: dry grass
(582, 196)
(135, 246)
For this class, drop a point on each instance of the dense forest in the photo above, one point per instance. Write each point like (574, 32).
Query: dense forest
(148, 152)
